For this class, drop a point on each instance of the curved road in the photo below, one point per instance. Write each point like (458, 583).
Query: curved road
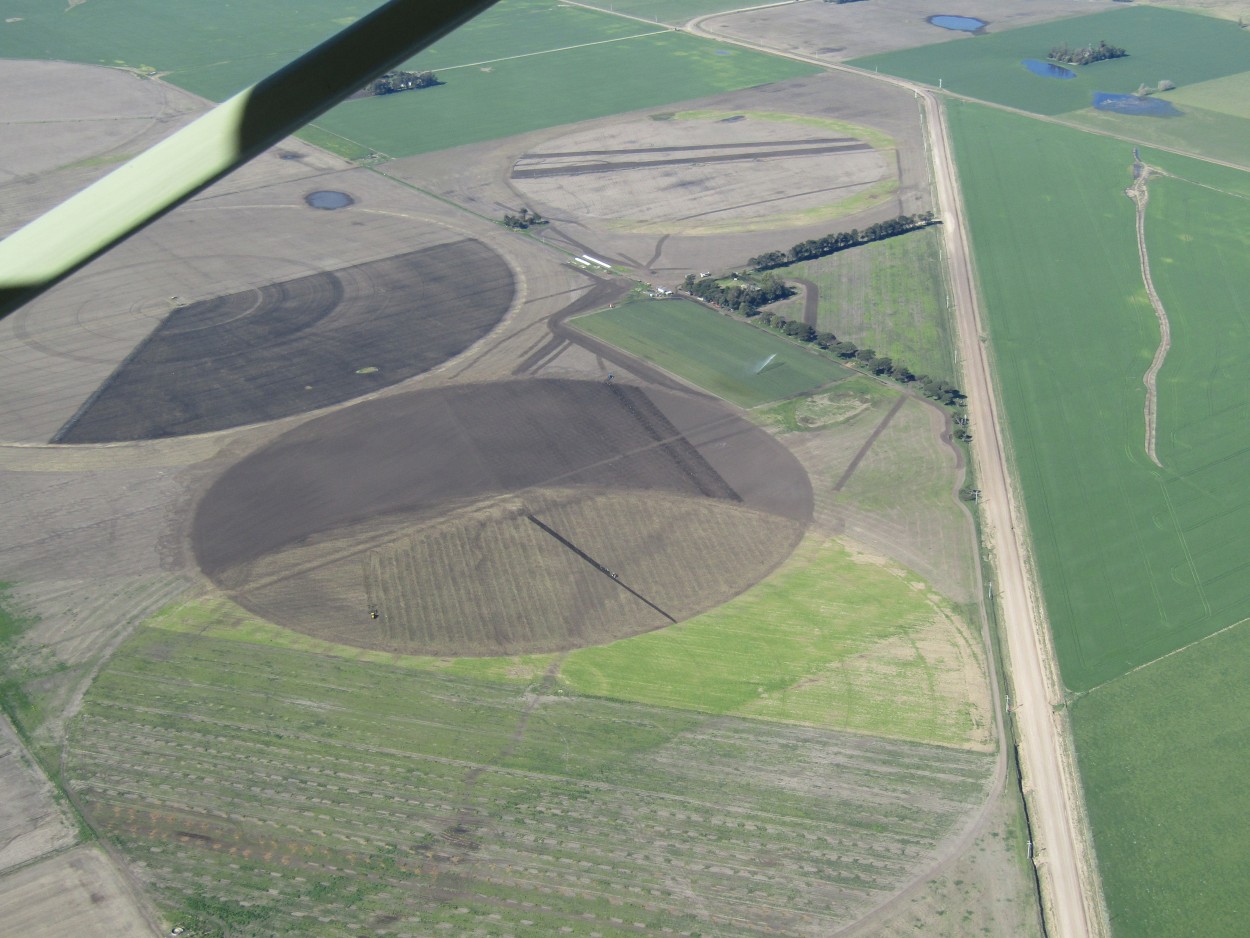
(1063, 855)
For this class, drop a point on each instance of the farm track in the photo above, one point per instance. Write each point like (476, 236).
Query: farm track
(1139, 192)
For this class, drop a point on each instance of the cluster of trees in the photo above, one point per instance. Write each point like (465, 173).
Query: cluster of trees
(840, 241)
(867, 358)
(1085, 55)
(523, 219)
(392, 82)
(743, 295)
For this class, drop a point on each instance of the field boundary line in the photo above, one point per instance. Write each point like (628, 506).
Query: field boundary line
(1153, 661)
(580, 45)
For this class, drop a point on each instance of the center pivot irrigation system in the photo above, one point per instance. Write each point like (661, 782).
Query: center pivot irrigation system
(82, 228)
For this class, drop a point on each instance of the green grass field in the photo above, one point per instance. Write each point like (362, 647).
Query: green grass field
(548, 88)
(1135, 561)
(731, 359)
(258, 786)
(1162, 755)
(1185, 48)
(522, 65)
(890, 296)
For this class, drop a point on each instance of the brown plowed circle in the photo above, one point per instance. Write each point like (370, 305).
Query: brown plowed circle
(520, 516)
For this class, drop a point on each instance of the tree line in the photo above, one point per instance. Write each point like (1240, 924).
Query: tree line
(868, 359)
(841, 240)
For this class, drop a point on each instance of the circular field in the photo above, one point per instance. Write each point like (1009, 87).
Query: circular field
(298, 344)
(708, 170)
(515, 517)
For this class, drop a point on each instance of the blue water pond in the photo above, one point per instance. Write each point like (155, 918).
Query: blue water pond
(328, 199)
(1048, 69)
(966, 24)
(1142, 106)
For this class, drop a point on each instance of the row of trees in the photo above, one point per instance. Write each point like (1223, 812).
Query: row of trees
(743, 295)
(1085, 55)
(840, 241)
(867, 358)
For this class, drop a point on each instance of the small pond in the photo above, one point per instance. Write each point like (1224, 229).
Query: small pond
(1048, 69)
(329, 199)
(965, 24)
(1140, 105)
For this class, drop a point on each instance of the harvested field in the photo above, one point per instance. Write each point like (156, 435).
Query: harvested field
(281, 789)
(699, 172)
(298, 345)
(590, 510)
(75, 893)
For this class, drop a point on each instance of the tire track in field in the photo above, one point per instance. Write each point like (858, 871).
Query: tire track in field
(872, 438)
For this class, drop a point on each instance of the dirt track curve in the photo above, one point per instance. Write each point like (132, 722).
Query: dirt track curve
(1140, 195)
(1063, 851)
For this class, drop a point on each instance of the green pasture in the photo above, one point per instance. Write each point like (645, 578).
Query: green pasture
(733, 360)
(1186, 48)
(522, 65)
(890, 296)
(793, 648)
(1135, 560)
(550, 88)
(1162, 756)
(264, 786)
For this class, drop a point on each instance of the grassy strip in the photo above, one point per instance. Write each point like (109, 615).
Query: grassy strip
(890, 296)
(731, 359)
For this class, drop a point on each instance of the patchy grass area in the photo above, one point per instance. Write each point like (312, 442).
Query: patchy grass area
(832, 639)
(731, 359)
(259, 789)
(890, 296)
(1162, 755)
(1185, 48)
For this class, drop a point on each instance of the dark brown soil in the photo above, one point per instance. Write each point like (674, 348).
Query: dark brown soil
(415, 507)
(299, 345)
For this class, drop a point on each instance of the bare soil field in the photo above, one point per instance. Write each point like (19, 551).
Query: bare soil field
(714, 171)
(460, 505)
(731, 200)
(835, 32)
(299, 344)
(31, 821)
(74, 893)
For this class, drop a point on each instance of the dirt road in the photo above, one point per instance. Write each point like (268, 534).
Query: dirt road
(1063, 853)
